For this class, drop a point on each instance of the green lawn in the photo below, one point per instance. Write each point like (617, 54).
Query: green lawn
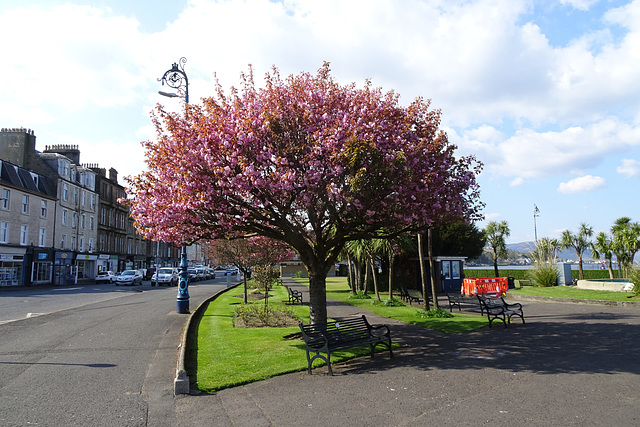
(572, 292)
(223, 356)
(337, 288)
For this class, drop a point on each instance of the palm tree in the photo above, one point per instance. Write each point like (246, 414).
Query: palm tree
(626, 242)
(578, 242)
(496, 232)
(363, 251)
(602, 247)
(389, 248)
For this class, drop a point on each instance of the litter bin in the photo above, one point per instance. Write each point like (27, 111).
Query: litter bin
(511, 282)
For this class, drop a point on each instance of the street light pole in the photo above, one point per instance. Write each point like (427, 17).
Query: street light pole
(536, 213)
(176, 78)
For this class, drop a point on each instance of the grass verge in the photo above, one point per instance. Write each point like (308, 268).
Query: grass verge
(223, 356)
(337, 288)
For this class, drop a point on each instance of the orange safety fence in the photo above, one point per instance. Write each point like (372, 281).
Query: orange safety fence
(485, 286)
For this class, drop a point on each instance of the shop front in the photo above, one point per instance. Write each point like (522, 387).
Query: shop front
(42, 266)
(63, 269)
(11, 267)
(86, 265)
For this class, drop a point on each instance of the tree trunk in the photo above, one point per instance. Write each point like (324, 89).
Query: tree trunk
(244, 279)
(422, 273)
(391, 256)
(495, 263)
(431, 269)
(352, 276)
(375, 279)
(366, 277)
(317, 295)
(610, 268)
(580, 271)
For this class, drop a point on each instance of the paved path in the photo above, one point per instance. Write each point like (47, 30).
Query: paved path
(569, 365)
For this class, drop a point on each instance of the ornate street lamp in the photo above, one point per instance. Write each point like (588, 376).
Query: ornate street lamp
(177, 79)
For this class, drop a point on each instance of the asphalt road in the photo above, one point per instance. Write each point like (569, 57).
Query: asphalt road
(91, 356)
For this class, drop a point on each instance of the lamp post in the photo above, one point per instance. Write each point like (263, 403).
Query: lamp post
(177, 79)
(536, 213)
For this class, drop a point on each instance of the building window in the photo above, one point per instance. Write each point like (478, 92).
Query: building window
(24, 235)
(64, 217)
(84, 197)
(82, 221)
(75, 196)
(4, 232)
(91, 225)
(73, 220)
(93, 202)
(65, 191)
(81, 247)
(43, 237)
(25, 204)
(5, 198)
(63, 243)
(90, 245)
(73, 243)
(43, 209)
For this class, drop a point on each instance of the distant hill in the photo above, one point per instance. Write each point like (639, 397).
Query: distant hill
(526, 247)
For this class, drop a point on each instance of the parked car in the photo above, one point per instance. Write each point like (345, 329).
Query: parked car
(231, 271)
(202, 273)
(193, 274)
(212, 273)
(129, 278)
(105, 277)
(165, 276)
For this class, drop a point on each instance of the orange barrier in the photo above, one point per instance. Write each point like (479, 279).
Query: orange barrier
(485, 286)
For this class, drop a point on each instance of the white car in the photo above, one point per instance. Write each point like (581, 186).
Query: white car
(105, 277)
(165, 276)
(129, 278)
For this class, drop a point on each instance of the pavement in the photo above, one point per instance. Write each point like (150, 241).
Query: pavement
(570, 364)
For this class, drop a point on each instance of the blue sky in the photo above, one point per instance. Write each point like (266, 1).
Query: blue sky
(545, 93)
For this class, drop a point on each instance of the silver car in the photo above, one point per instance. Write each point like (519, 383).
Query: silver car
(165, 276)
(129, 278)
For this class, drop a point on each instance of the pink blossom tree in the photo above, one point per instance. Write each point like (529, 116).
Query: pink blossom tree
(248, 253)
(304, 160)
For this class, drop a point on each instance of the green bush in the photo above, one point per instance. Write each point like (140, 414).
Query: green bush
(635, 279)
(359, 295)
(544, 274)
(434, 313)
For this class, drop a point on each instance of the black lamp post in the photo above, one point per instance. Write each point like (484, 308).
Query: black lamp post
(176, 78)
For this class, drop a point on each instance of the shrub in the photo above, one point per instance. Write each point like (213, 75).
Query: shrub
(262, 316)
(434, 312)
(359, 295)
(635, 279)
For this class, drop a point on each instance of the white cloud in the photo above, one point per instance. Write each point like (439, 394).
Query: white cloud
(629, 168)
(531, 154)
(516, 182)
(579, 4)
(582, 184)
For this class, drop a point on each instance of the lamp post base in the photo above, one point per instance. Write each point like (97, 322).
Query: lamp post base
(182, 306)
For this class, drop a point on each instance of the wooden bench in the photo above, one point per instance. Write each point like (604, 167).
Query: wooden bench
(458, 299)
(499, 309)
(525, 283)
(295, 296)
(412, 295)
(343, 334)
